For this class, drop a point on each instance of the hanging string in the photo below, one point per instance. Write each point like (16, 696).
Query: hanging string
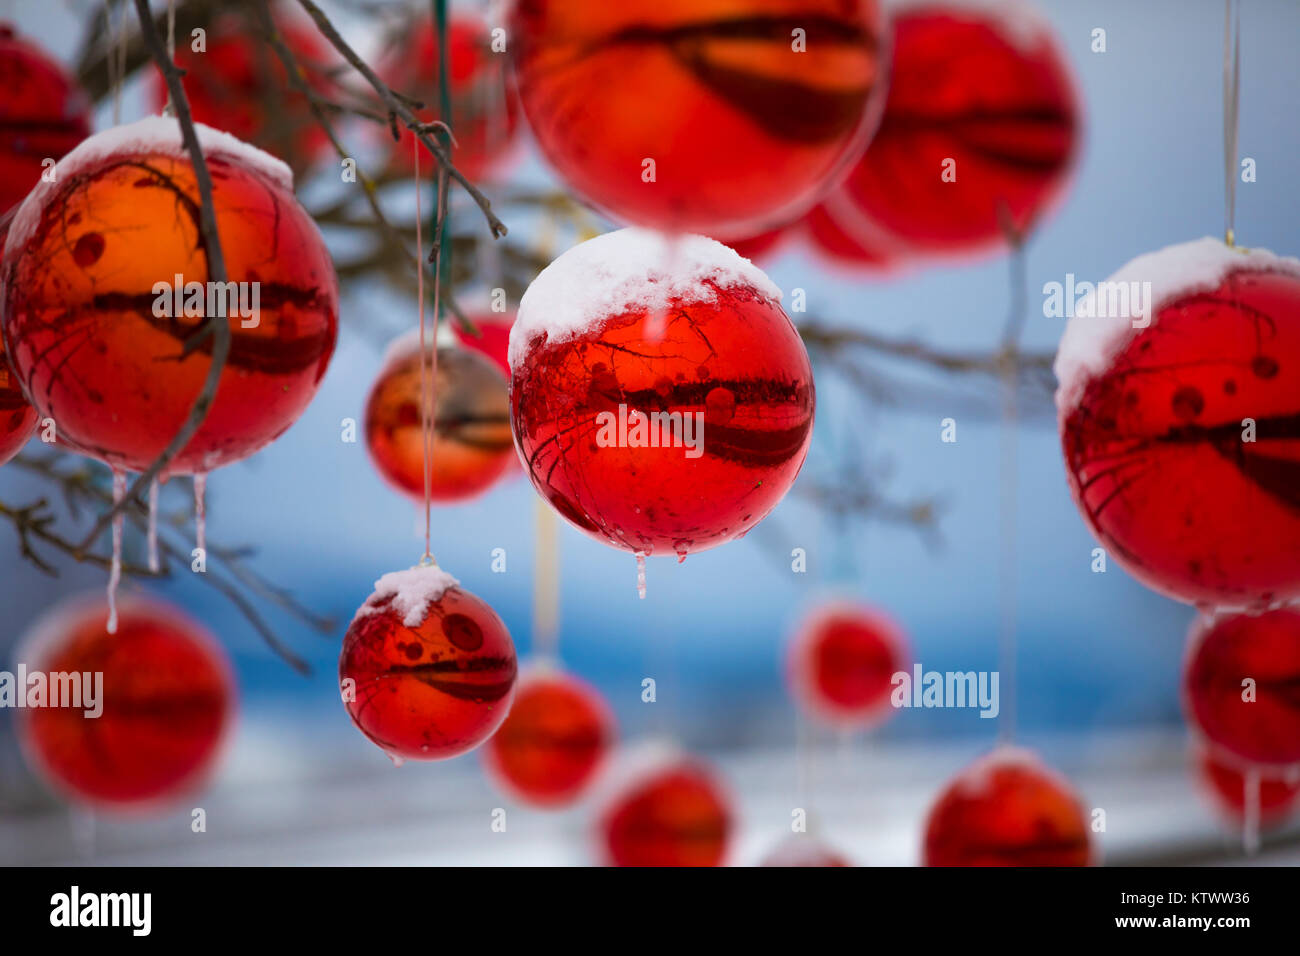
(169, 108)
(428, 369)
(1231, 106)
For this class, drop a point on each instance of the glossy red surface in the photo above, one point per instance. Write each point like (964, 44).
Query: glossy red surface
(768, 129)
(675, 816)
(842, 662)
(17, 417)
(1155, 455)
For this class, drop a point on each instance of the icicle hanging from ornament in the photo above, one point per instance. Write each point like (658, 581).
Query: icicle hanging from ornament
(166, 703)
(1229, 786)
(782, 93)
(1178, 407)
(1007, 809)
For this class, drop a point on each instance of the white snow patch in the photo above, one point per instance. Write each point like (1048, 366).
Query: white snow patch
(151, 136)
(1089, 344)
(411, 592)
(625, 270)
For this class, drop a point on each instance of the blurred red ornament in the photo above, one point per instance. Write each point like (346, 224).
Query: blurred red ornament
(17, 417)
(484, 113)
(772, 121)
(1180, 433)
(472, 447)
(493, 339)
(166, 702)
(842, 663)
(1007, 809)
(759, 246)
(1242, 685)
(804, 850)
(1278, 791)
(241, 87)
(667, 812)
(106, 283)
(43, 114)
(979, 135)
(554, 742)
(427, 669)
(662, 401)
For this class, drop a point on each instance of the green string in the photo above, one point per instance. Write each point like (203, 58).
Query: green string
(440, 19)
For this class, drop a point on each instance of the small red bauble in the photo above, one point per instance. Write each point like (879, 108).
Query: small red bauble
(17, 417)
(43, 114)
(484, 114)
(978, 137)
(555, 741)
(241, 87)
(771, 121)
(842, 663)
(493, 339)
(804, 850)
(661, 399)
(1279, 791)
(472, 446)
(668, 811)
(166, 702)
(1241, 685)
(1179, 425)
(94, 268)
(427, 669)
(1007, 809)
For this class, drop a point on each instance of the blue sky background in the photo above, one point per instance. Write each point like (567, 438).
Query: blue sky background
(1095, 649)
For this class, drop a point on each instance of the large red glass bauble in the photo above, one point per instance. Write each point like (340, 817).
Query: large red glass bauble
(1160, 450)
(167, 702)
(427, 668)
(484, 113)
(745, 129)
(608, 344)
(672, 813)
(241, 87)
(842, 662)
(555, 741)
(1007, 809)
(988, 90)
(17, 417)
(88, 288)
(1242, 685)
(43, 114)
(1278, 791)
(472, 447)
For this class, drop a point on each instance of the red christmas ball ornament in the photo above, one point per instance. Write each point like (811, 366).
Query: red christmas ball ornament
(979, 135)
(484, 112)
(772, 121)
(555, 741)
(1178, 401)
(1240, 685)
(472, 447)
(493, 339)
(106, 282)
(43, 114)
(17, 417)
(242, 88)
(427, 669)
(804, 850)
(1007, 809)
(154, 730)
(1229, 785)
(666, 810)
(842, 662)
(661, 399)
(759, 246)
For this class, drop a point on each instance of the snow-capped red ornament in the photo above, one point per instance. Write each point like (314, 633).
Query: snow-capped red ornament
(1240, 685)
(17, 417)
(154, 731)
(1179, 406)
(484, 110)
(427, 669)
(472, 446)
(979, 135)
(662, 808)
(1239, 791)
(842, 662)
(661, 399)
(106, 284)
(43, 114)
(1007, 809)
(554, 743)
(782, 95)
